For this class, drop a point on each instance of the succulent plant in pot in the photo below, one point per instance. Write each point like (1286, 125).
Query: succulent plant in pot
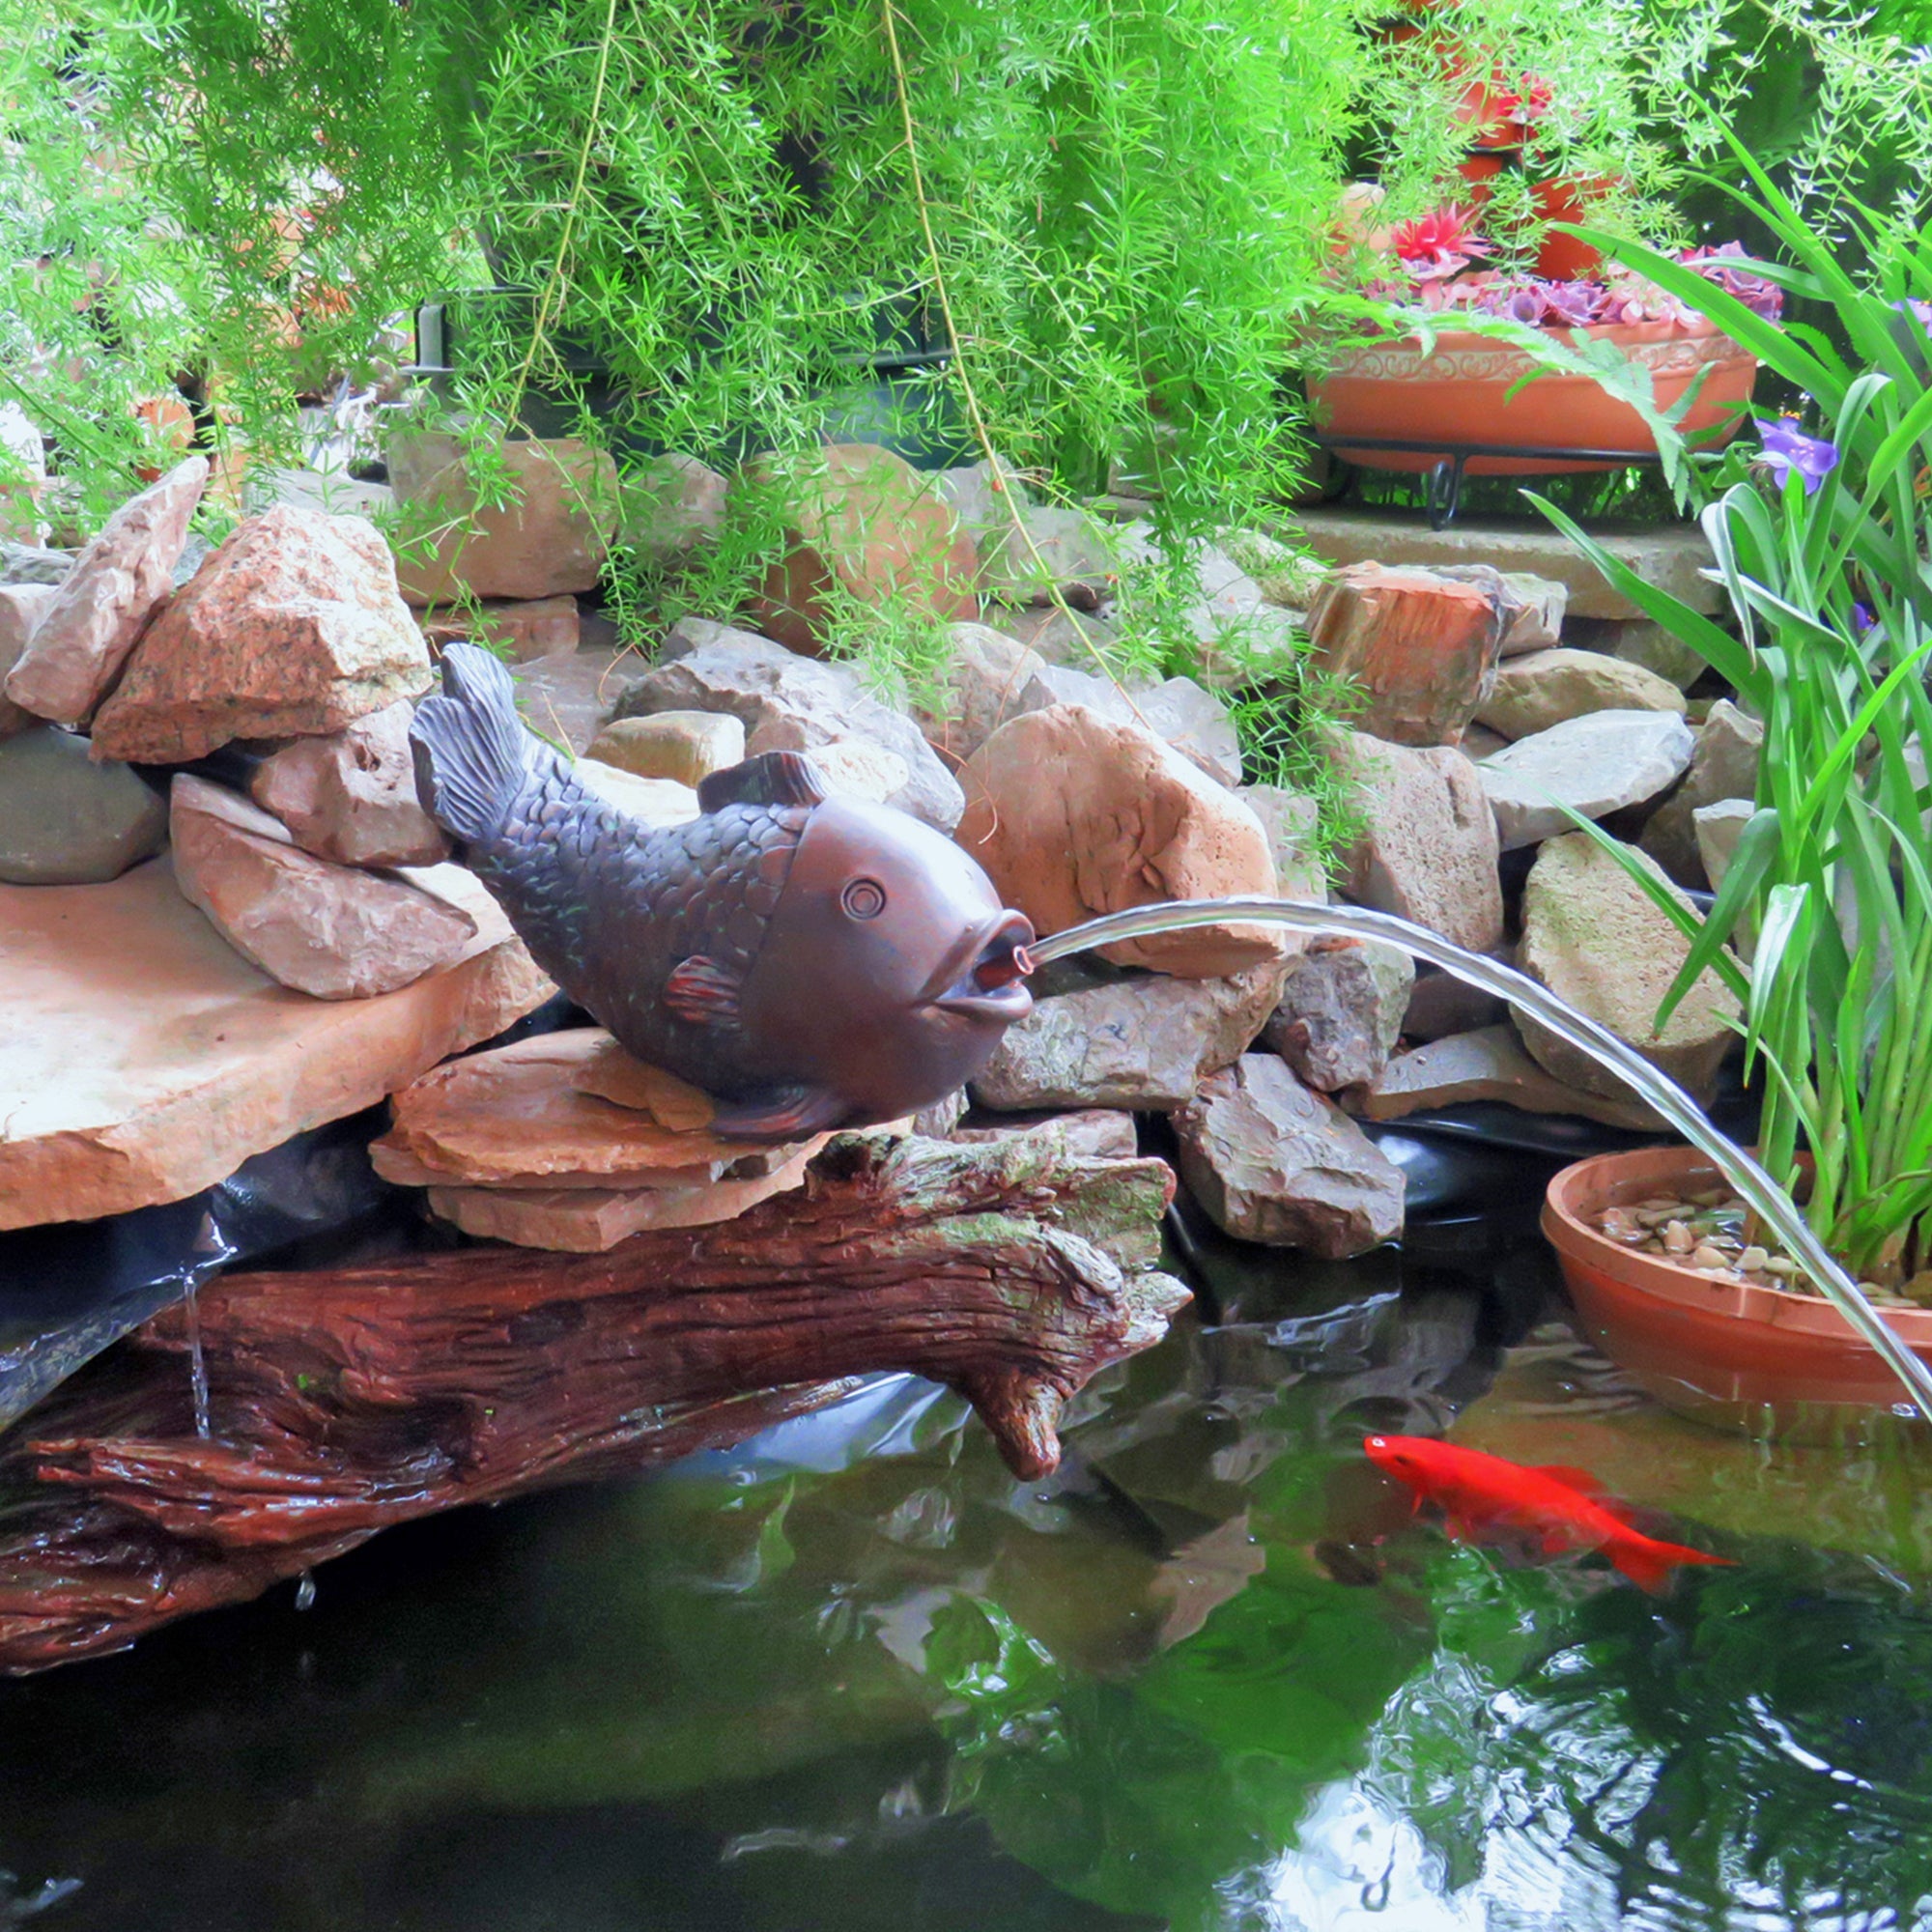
(1613, 356)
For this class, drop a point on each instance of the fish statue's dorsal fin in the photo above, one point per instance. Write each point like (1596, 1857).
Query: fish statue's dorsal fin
(772, 778)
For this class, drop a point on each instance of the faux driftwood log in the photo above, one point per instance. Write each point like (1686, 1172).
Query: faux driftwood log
(344, 1400)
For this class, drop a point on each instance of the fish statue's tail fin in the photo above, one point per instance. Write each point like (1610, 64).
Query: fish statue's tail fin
(471, 748)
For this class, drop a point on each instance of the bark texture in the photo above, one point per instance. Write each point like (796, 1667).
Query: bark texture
(347, 1400)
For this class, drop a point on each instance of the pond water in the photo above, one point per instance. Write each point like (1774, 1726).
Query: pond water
(1211, 1676)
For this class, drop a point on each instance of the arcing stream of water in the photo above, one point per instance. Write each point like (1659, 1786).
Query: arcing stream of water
(1778, 1211)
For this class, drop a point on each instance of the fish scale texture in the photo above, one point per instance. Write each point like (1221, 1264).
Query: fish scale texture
(608, 907)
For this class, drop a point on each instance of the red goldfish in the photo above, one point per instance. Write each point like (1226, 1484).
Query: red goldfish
(1560, 1509)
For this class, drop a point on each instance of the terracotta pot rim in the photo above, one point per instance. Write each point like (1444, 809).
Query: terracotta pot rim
(1668, 1280)
(1455, 341)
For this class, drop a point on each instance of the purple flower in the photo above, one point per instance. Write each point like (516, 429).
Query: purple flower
(1787, 449)
(1863, 619)
(1919, 311)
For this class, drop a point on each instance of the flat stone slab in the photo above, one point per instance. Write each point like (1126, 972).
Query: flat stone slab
(1489, 1064)
(1596, 765)
(142, 1059)
(1667, 555)
(538, 1115)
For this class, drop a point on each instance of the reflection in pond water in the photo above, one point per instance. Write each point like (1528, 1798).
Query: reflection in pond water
(1211, 1676)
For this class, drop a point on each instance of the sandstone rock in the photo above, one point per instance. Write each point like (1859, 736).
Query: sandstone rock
(588, 1221)
(855, 769)
(291, 629)
(532, 627)
(1671, 556)
(685, 745)
(1061, 547)
(1240, 638)
(655, 801)
(83, 637)
(1341, 1012)
(1592, 936)
(1283, 574)
(1638, 641)
(1723, 766)
(1717, 829)
(1272, 1162)
(66, 820)
(552, 536)
(1419, 648)
(670, 505)
(1532, 608)
(1479, 742)
(1193, 720)
(518, 1116)
(977, 691)
(1292, 820)
(1489, 1064)
(1072, 815)
(145, 1058)
(569, 699)
(21, 608)
(350, 797)
(333, 931)
(1092, 1133)
(1427, 848)
(1545, 688)
(788, 703)
(1144, 1042)
(1439, 1005)
(1595, 765)
(1077, 638)
(859, 516)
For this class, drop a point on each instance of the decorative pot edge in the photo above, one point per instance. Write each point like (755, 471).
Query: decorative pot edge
(1670, 1282)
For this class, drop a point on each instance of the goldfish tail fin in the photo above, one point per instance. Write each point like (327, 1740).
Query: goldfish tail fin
(1650, 1563)
(471, 748)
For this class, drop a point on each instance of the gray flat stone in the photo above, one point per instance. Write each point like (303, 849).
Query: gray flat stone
(1669, 555)
(1596, 764)
(1723, 766)
(1489, 1064)
(1143, 1042)
(1272, 1162)
(68, 822)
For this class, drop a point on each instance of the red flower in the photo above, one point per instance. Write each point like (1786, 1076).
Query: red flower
(1441, 244)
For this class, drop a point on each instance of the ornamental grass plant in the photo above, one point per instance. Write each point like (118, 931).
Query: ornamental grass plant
(1820, 534)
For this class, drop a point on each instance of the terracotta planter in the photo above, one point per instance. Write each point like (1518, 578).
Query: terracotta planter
(1460, 393)
(1562, 258)
(1724, 1352)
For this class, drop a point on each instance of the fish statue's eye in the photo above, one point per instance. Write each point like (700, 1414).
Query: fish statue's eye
(864, 899)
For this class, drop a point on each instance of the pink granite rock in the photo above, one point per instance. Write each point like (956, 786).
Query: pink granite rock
(352, 796)
(330, 931)
(293, 628)
(84, 635)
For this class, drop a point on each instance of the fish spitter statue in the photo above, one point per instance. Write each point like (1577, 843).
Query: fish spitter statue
(810, 961)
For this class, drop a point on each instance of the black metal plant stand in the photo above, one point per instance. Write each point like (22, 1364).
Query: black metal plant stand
(1443, 483)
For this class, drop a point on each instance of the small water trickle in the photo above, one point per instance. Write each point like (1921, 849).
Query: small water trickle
(306, 1590)
(1775, 1207)
(197, 1363)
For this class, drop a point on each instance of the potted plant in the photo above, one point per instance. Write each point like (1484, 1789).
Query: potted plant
(1821, 538)
(1460, 342)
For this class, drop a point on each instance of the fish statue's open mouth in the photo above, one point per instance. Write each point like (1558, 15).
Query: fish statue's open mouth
(985, 976)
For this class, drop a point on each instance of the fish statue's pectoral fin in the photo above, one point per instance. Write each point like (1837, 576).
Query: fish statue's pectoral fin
(701, 992)
(782, 1113)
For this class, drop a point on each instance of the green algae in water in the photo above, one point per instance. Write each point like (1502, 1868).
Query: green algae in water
(911, 1692)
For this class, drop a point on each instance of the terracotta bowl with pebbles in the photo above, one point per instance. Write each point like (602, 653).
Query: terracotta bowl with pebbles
(1653, 1253)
